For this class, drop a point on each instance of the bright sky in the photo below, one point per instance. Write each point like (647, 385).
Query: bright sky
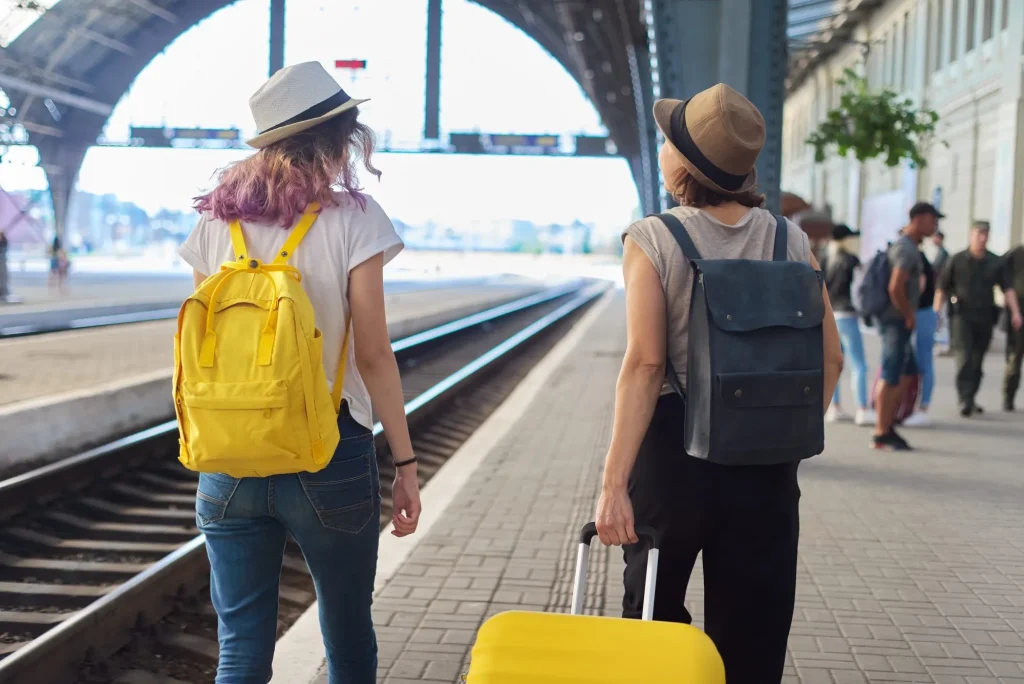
(494, 79)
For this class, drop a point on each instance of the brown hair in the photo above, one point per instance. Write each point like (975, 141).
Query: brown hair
(690, 193)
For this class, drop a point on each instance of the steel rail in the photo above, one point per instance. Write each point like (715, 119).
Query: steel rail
(104, 626)
(45, 483)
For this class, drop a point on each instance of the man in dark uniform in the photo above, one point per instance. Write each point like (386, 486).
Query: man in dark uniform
(969, 278)
(1014, 265)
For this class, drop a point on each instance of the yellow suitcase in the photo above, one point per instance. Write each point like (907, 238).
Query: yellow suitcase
(519, 647)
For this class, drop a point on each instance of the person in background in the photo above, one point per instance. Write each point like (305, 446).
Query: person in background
(309, 143)
(896, 325)
(1014, 267)
(55, 262)
(4, 292)
(839, 267)
(943, 341)
(927, 322)
(968, 280)
(941, 254)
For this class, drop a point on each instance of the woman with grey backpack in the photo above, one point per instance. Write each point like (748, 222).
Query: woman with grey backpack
(731, 361)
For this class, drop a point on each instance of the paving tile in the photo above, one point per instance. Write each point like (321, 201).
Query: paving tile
(911, 569)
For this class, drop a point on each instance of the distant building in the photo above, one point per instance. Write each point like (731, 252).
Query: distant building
(961, 58)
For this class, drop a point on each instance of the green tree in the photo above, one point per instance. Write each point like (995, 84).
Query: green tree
(873, 125)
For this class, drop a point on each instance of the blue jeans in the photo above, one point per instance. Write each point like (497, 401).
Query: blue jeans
(897, 352)
(334, 517)
(927, 324)
(853, 354)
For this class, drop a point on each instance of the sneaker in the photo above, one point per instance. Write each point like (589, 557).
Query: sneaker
(835, 414)
(1008, 406)
(890, 442)
(917, 419)
(865, 417)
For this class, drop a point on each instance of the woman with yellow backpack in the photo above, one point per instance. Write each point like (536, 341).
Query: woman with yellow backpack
(278, 355)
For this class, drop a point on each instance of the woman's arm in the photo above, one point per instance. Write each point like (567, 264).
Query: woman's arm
(197, 278)
(379, 370)
(636, 394)
(833, 349)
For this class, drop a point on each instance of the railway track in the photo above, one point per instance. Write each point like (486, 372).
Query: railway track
(100, 551)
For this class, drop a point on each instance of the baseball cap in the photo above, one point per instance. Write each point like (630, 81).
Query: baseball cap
(842, 231)
(922, 208)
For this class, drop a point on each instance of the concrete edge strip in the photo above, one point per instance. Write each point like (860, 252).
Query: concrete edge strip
(299, 655)
(52, 400)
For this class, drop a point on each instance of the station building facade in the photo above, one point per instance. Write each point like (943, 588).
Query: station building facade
(965, 60)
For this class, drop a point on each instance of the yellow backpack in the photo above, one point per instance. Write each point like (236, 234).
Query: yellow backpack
(250, 391)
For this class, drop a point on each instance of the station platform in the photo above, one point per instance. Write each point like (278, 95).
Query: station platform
(60, 392)
(911, 565)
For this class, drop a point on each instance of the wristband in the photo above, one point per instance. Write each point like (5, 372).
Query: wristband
(399, 464)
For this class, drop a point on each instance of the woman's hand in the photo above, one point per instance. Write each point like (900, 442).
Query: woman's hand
(615, 517)
(405, 497)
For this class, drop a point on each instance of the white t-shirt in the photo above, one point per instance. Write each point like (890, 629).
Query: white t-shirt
(341, 238)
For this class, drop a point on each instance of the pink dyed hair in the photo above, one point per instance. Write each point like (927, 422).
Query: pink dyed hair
(275, 184)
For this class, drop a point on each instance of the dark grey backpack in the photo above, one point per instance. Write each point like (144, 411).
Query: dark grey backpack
(755, 367)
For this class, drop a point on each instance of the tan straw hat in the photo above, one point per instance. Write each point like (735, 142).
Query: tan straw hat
(295, 99)
(719, 134)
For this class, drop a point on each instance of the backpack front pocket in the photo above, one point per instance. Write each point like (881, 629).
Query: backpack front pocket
(234, 426)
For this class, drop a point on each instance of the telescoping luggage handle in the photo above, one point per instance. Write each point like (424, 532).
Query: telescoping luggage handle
(587, 534)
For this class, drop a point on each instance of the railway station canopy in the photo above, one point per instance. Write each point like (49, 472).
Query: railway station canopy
(64, 64)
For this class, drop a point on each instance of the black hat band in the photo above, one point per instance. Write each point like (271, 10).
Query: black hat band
(314, 112)
(684, 143)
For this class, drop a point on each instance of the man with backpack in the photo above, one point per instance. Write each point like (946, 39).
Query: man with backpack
(890, 294)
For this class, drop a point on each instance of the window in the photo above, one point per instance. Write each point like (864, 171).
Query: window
(904, 67)
(876, 57)
(970, 24)
(988, 22)
(894, 49)
(954, 33)
(1006, 14)
(937, 34)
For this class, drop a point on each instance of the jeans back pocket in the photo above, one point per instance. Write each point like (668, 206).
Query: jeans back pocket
(343, 494)
(213, 495)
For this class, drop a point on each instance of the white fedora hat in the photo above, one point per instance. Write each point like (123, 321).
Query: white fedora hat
(295, 99)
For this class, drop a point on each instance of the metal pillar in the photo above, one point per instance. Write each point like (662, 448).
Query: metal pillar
(645, 164)
(432, 109)
(61, 160)
(741, 43)
(276, 35)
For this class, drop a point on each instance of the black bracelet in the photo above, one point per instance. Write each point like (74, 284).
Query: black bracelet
(399, 464)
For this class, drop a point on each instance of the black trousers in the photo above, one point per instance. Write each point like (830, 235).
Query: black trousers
(746, 521)
(1014, 355)
(974, 337)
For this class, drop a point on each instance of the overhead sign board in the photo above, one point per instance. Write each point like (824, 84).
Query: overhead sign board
(522, 144)
(595, 146)
(504, 143)
(151, 136)
(350, 64)
(205, 133)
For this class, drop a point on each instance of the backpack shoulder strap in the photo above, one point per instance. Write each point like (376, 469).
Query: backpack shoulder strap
(678, 230)
(339, 377)
(781, 239)
(298, 233)
(238, 241)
